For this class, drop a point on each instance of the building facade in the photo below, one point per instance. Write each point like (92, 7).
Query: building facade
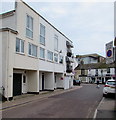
(33, 53)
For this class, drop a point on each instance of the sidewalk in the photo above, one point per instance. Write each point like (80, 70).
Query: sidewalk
(27, 98)
(106, 108)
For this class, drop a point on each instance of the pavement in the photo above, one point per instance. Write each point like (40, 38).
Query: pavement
(106, 108)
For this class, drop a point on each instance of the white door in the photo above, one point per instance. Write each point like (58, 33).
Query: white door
(24, 84)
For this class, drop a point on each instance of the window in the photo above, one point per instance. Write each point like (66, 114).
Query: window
(19, 45)
(108, 70)
(32, 50)
(61, 59)
(50, 55)
(29, 27)
(42, 52)
(96, 72)
(56, 42)
(55, 57)
(82, 72)
(42, 34)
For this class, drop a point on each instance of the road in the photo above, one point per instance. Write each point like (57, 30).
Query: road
(79, 103)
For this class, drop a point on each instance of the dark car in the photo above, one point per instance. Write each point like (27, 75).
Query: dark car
(76, 82)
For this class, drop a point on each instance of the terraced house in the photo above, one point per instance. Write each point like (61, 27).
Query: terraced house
(35, 55)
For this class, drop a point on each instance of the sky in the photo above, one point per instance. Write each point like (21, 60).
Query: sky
(89, 24)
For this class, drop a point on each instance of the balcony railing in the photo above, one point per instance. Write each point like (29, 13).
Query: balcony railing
(69, 52)
(69, 44)
(69, 68)
(69, 59)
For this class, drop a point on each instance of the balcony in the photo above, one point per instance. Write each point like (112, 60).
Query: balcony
(69, 59)
(69, 52)
(69, 68)
(69, 44)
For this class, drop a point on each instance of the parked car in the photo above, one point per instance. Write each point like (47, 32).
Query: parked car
(76, 82)
(109, 87)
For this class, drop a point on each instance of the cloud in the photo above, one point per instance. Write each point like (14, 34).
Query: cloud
(88, 23)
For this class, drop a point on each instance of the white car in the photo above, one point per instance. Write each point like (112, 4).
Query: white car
(109, 87)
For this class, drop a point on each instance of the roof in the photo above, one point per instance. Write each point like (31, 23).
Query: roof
(89, 55)
(111, 80)
(7, 14)
(95, 66)
(8, 29)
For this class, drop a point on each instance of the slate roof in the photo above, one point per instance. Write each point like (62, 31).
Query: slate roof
(95, 66)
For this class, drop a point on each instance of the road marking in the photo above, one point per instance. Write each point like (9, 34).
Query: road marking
(95, 113)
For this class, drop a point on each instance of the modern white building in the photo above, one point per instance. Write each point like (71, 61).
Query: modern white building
(89, 58)
(35, 55)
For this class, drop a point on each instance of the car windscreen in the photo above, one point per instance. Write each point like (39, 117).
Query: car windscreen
(111, 83)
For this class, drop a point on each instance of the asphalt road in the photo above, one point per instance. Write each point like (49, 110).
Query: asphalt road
(79, 103)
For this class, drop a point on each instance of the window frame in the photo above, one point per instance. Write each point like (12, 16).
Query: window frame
(49, 58)
(55, 57)
(28, 28)
(43, 53)
(20, 46)
(61, 62)
(42, 41)
(32, 46)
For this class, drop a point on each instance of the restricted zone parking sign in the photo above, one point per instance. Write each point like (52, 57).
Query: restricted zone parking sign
(109, 52)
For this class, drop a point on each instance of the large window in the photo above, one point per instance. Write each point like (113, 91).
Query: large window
(82, 71)
(32, 50)
(19, 45)
(55, 57)
(61, 59)
(50, 56)
(42, 34)
(56, 42)
(108, 70)
(29, 27)
(42, 52)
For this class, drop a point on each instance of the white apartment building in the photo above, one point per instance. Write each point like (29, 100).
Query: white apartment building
(35, 55)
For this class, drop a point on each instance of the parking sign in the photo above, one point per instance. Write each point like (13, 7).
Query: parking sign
(109, 52)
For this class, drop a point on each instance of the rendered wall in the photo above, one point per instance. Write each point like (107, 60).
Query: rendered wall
(33, 81)
(49, 81)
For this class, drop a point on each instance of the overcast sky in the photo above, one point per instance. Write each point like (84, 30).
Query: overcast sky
(88, 23)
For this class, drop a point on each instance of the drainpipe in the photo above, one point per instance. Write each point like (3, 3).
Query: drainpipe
(7, 64)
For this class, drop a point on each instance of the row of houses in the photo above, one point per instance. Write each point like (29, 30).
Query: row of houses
(92, 67)
(34, 55)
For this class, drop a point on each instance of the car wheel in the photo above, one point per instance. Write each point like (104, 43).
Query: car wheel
(104, 95)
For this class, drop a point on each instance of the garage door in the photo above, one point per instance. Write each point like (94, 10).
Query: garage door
(17, 84)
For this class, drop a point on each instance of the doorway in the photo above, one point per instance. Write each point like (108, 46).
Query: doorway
(17, 84)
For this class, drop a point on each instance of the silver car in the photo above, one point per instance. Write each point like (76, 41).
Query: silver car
(109, 87)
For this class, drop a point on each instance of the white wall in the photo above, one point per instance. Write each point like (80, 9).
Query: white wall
(49, 45)
(59, 81)
(33, 81)
(8, 22)
(49, 81)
